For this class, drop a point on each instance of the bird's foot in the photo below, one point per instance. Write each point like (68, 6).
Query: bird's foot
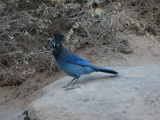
(66, 86)
(71, 88)
(72, 83)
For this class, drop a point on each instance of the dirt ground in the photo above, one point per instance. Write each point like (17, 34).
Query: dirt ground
(145, 51)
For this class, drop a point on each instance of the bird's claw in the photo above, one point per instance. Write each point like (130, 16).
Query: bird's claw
(71, 88)
(66, 86)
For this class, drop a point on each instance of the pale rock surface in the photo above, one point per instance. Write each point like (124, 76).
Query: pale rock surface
(132, 95)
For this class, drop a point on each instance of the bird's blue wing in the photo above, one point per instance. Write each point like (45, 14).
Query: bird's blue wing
(78, 61)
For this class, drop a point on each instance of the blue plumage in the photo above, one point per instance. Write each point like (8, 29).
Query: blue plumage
(78, 61)
(72, 64)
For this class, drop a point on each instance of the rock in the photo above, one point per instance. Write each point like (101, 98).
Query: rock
(132, 95)
(12, 114)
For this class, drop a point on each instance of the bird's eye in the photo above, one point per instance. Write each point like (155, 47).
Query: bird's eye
(53, 44)
(57, 45)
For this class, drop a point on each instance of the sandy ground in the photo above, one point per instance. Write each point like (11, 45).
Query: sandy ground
(145, 51)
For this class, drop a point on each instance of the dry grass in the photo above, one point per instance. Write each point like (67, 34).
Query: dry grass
(27, 27)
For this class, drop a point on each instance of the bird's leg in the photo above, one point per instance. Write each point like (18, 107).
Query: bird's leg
(67, 88)
(71, 83)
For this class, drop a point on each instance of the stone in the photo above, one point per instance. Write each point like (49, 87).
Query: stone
(101, 96)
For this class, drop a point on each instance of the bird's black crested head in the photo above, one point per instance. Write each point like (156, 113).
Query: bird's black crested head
(56, 45)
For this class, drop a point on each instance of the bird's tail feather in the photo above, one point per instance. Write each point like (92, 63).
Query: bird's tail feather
(105, 70)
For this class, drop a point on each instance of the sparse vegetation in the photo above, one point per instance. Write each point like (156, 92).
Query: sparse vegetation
(27, 27)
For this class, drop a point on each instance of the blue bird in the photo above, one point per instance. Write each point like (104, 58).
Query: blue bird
(72, 64)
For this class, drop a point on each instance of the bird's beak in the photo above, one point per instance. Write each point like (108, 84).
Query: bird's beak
(53, 50)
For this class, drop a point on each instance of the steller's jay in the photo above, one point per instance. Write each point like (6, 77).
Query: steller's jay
(72, 64)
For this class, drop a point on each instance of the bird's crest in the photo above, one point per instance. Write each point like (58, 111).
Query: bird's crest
(57, 39)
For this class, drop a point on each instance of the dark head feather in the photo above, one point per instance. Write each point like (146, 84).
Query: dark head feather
(56, 45)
